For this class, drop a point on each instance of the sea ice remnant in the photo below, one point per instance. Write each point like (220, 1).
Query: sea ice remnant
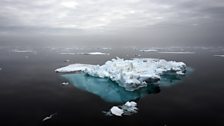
(129, 108)
(130, 74)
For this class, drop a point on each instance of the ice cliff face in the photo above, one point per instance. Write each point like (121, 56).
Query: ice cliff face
(130, 74)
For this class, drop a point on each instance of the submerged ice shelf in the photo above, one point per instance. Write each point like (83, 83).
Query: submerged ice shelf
(106, 89)
(132, 74)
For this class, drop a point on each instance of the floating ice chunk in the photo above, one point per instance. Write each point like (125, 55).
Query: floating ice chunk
(49, 117)
(130, 104)
(65, 83)
(23, 51)
(219, 55)
(116, 111)
(97, 53)
(90, 53)
(0, 69)
(148, 50)
(130, 74)
(128, 108)
(67, 60)
(178, 52)
(106, 48)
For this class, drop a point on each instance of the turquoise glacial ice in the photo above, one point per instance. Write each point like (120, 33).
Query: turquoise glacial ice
(106, 89)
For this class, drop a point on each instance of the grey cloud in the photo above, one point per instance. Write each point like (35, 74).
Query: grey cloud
(148, 20)
(88, 14)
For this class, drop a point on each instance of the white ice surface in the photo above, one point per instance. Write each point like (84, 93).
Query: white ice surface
(116, 111)
(97, 53)
(130, 74)
(65, 83)
(75, 68)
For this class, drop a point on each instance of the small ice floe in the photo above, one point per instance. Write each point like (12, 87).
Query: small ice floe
(97, 53)
(148, 50)
(0, 68)
(71, 53)
(177, 52)
(65, 83)
(89, 53)
(219, 55)
(68, 53)
(116, 111)
(23, 51)
(26, 57)
(106, 48)
(49, 117)
(67, 61)
(128, 108)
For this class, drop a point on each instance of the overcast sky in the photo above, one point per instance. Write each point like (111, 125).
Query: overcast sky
(147, 21)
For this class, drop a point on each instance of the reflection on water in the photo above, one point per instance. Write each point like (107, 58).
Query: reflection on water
(171, 78)
(107, 89)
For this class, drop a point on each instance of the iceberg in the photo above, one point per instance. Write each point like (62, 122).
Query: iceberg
(132, 74)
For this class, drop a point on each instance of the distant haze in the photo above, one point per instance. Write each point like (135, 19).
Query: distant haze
(112, 22)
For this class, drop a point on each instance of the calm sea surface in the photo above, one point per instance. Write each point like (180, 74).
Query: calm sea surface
(30, 90)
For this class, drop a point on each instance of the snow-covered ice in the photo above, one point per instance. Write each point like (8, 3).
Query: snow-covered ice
(130, 74)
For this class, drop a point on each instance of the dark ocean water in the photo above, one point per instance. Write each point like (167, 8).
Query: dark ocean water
(30, 90)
